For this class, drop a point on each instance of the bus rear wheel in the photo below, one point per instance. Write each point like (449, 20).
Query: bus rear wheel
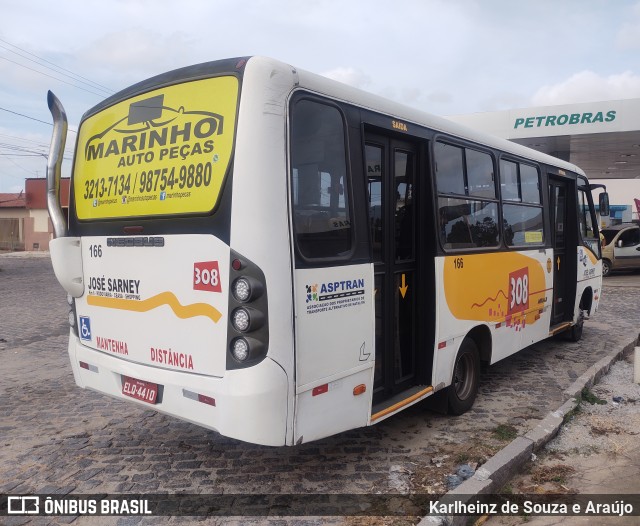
(575, 332)
(466, 378)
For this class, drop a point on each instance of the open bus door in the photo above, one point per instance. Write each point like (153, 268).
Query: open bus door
(564, 242)
(402, 370)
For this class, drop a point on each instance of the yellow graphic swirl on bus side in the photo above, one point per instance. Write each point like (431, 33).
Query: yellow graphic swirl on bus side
(496, 287)
(164, 298)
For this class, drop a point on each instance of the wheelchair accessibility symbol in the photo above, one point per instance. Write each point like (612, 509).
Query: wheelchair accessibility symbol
(85, 328)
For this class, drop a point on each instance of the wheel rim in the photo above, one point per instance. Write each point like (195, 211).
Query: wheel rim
(605, 268)
(464, 376)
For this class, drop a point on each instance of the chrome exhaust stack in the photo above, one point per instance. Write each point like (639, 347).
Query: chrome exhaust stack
(54, 161)
(66, 252)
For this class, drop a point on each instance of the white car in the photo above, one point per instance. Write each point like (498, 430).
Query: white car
(622, 247)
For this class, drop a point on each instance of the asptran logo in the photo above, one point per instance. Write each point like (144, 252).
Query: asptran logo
(312, 293)
(335, 295)
(582, 257)
(334, 289)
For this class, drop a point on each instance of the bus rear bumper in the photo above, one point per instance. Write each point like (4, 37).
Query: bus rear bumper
(247, 404)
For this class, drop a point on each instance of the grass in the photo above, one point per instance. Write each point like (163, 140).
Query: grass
(505, 432)
(557, 473)
(588, 396)
(573, 413)
(506, 490)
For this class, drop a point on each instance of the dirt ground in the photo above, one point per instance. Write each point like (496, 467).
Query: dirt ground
(596, 452)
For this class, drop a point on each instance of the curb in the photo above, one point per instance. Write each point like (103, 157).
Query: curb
(500, 468)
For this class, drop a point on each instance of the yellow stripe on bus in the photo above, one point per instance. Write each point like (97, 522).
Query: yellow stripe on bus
(400, 404)
(559, 328)
(164, 298)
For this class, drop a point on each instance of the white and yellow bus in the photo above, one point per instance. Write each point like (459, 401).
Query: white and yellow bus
(280, 257)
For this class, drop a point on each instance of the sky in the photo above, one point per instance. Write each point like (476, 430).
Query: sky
(445, 57)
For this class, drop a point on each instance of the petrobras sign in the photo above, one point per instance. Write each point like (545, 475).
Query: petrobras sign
(564, 119)
(548, 121)
(573, 119)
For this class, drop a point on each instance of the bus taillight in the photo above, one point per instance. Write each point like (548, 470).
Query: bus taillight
(248, 314)
(72, 313)
(245, 349)
(240, 349)
(246, 289)
(245, 319)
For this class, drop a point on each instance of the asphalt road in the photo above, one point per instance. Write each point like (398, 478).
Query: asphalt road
(58, 438)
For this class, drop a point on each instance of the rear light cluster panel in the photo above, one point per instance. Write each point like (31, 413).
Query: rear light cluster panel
(248, 335)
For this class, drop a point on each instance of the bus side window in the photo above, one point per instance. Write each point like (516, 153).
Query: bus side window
(467, 204)
(585, 219)
(321, 214)
(522, 217)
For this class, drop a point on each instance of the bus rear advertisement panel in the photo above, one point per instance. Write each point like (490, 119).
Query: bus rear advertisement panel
(165, 152)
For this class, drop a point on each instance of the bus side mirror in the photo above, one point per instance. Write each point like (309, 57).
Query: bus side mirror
(604, 205)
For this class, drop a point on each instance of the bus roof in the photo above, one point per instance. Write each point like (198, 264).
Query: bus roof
(349, 94)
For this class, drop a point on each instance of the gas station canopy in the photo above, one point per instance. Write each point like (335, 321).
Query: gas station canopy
(602, 138)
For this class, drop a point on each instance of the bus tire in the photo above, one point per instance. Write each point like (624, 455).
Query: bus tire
(465, 379)
(575, 332)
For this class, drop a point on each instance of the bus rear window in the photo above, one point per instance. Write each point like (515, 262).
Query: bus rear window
(321, 215)
(165, 152)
